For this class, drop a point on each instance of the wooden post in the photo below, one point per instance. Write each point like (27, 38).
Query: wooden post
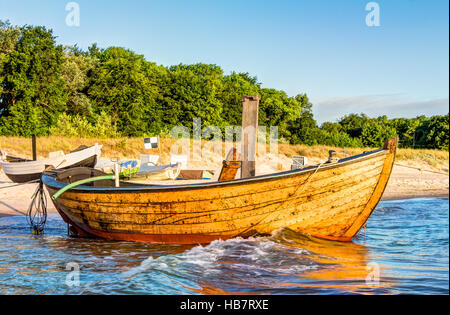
(33, 141)
(116, 174)
(159, 148)
(250, 105)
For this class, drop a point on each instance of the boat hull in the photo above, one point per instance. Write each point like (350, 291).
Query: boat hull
(25, 170)
(332, 201)
(25, 178)
(84, 230)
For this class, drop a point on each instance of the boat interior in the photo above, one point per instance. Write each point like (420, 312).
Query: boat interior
(73, 175)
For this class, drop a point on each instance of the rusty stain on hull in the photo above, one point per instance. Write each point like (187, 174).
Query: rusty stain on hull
(330, 202)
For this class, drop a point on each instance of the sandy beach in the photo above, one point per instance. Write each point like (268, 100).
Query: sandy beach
(410, 183)
(404, 183)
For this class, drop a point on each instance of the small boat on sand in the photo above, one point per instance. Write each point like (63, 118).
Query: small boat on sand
(332, 200)
(21, 170)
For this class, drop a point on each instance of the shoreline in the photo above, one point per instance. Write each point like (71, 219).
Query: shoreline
(419, 196)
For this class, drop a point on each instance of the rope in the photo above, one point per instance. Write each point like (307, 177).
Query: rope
(299, 189)
(37, 212)
(422, 170)
(15, 185)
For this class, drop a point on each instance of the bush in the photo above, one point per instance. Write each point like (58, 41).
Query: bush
(104, 127)
(78, 126)
(318, 136)
(374, 134)
(434, 133)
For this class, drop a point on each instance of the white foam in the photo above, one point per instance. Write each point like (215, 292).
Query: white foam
(252, 255)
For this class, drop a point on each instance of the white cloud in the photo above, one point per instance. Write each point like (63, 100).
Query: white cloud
(391, 105)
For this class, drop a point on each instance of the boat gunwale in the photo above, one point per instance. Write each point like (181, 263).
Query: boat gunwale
(49, 179)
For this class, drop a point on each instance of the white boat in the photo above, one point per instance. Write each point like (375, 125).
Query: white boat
(22, 170)
(155, 173)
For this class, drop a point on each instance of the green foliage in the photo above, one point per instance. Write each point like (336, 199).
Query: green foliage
(8, 39)
(331, 127)
(434, 133)
(317, 136)
(303, 128)
(79, 126)
(192, 92)
(278, 109)
(104, 93)
(32, 88)
(234, 86)
(406, 129)
(125, 85)
(76, 69)
(353, 124)
(374, 133)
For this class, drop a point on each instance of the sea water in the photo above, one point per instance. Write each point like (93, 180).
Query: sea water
(404, 249)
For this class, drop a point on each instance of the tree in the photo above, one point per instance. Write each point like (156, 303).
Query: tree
(234, 86)
(374, 133)
(76, 69)
(305, 125)
(434, 133)
(32, 88)
(8, 39)
(353, 124)
(192, 92)
(407, 130)
(125, 86)
(278, 109)
(331, 127)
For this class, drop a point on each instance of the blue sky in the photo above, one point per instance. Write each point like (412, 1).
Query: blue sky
(320, 47)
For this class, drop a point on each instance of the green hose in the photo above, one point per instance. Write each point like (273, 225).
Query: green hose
(79, 183)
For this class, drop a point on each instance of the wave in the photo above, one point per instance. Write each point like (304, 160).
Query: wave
(252, 256)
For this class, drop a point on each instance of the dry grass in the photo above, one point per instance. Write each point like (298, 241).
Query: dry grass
(318, 151)
(131, 148)
(120, 147)
(433, 158)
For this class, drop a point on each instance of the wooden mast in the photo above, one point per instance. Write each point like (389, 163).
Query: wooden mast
(250, 106)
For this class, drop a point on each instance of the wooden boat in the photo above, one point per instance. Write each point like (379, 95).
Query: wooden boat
(21, 170)
(330, 201)
(159, 172)
(130, 171)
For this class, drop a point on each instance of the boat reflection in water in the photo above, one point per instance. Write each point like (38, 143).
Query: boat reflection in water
(321, 266)
(352, 269)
